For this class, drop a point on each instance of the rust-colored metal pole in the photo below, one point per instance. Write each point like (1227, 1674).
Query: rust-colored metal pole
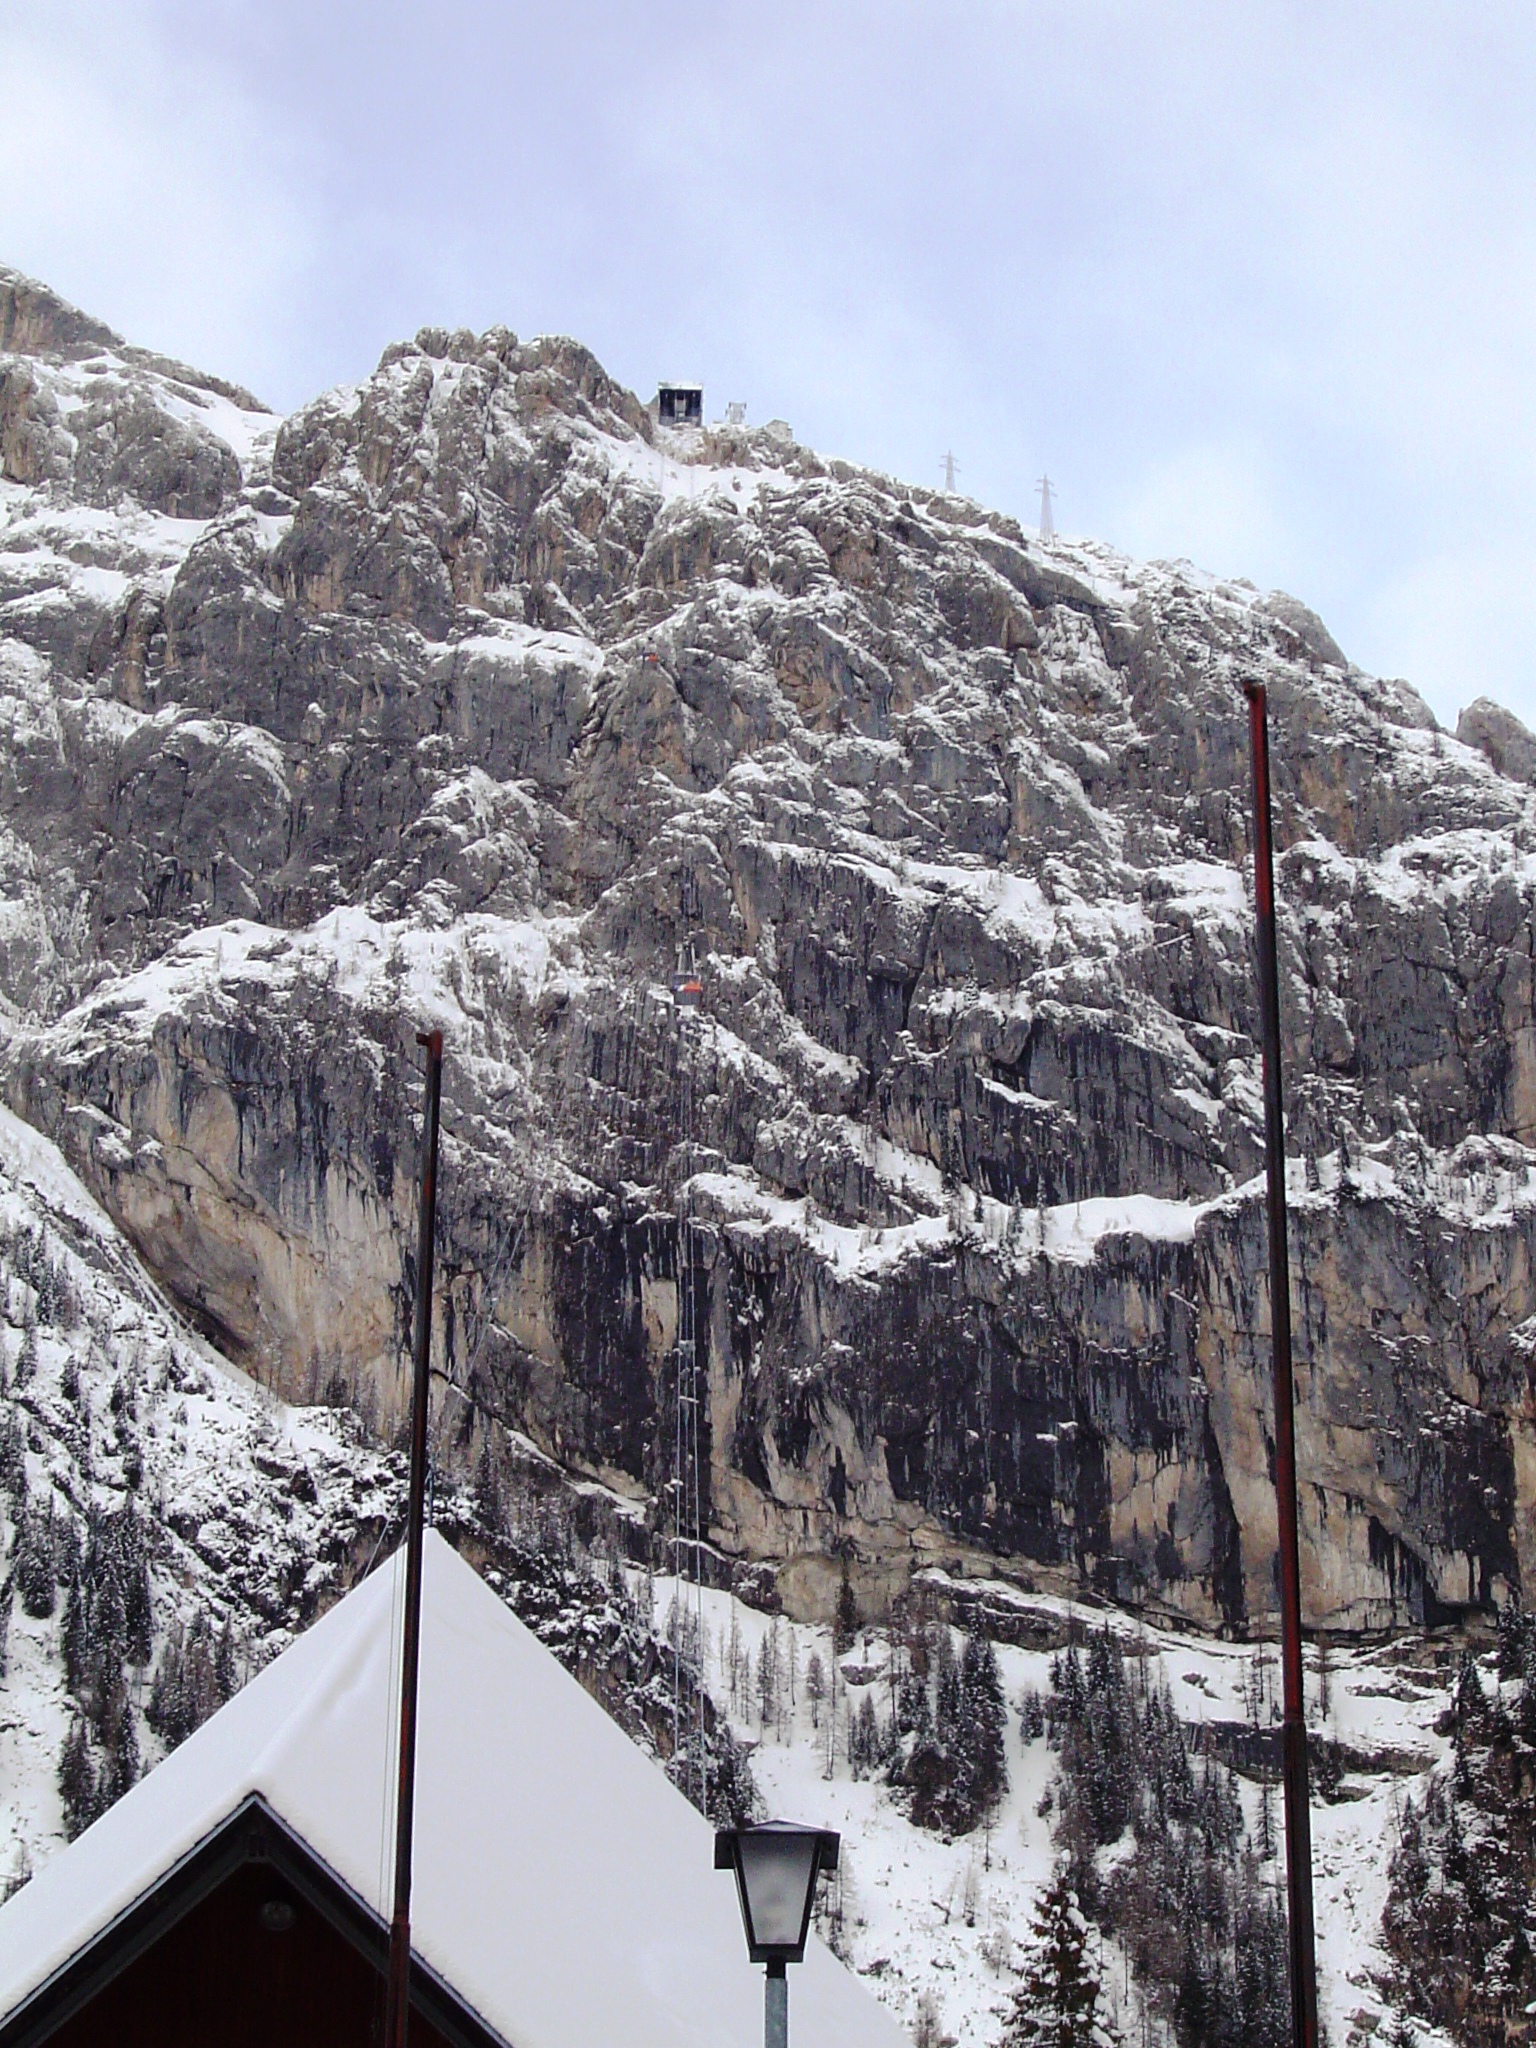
(1298, 1820)
(397, 2009)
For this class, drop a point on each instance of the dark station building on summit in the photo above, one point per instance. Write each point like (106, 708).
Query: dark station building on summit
(680, 405)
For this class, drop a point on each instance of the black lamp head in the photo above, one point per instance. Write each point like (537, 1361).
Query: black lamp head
(776, 1865)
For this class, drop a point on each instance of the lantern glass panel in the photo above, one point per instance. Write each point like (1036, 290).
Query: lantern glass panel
(777, 1872)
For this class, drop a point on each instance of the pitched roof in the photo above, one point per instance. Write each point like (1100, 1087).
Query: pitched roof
(562, 1886)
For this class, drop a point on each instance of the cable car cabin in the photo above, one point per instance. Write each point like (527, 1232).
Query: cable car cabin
(687, 991)
(680, 405)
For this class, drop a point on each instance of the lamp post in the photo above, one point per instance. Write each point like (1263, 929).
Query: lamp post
(776, 1865)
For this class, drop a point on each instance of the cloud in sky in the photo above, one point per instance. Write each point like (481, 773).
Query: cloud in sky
(1256, 285)
(150, 192)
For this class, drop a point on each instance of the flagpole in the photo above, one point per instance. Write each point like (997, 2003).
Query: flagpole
(1298, 1819)
(397, 2009)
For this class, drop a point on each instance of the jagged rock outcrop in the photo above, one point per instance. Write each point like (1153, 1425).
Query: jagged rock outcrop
(466, 694)
(1508, 744)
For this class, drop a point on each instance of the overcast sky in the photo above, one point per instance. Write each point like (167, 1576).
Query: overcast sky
(1254, 283)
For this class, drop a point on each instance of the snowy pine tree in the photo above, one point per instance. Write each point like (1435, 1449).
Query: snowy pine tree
(864, 1743)
(815, 1687)
(1057, 2001)
(927, 2025)
(490, 1493)
(77, 1781)
(34, 1565)
(120, 1740)
(985, 1720)
(845, 1625)
(26, 1357)
(768, 1678)
(13, 1463)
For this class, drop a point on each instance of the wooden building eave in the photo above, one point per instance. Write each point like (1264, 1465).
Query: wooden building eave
(252, 1834)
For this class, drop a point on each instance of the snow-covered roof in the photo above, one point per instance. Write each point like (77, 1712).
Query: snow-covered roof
(562, 1886)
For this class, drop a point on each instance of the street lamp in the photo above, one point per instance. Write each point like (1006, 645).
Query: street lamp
(776, 1865)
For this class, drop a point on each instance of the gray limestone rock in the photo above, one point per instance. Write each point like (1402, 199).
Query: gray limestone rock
(1509, 745)
(36, 321)
(470, 694)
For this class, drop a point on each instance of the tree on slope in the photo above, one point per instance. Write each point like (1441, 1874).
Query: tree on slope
(845, 1624)
(77, 1782)
(1057, 2002)
(985, 1718)
(816, 1687)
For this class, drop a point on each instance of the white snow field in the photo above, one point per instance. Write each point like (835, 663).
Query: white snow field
(922, 1914)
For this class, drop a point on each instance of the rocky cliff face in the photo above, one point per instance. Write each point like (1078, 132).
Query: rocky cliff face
(467, 695)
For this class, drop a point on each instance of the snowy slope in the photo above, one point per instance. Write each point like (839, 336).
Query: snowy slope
(257, 1514)
(920, 1914)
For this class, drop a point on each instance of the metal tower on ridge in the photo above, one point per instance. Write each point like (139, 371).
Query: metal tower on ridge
(951, 471)
(1047, 517)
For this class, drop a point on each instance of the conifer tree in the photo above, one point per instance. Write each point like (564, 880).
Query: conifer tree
(985, 1718)
(769, 1678)
(846, 1623)
(120, 1766)
(490, 1495)
(132, 1565)
(77, 1781)
(1262, 1984)
(226, 1681)
(26, 1357)
(730, 1794)
(914, 1709)
(815, 1687)
(732, 1655)
(927, 2027)
(13, 1463)
(34, 1566)
(1266, 1842)
(75, 1640)
(1056, 2004)
(191, 1680)
(864, 1737)
(948, 1704)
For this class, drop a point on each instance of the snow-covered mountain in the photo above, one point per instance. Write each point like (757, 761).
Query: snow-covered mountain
(187, 1503)
(128, 1446)
(469, 696)
(167, 1524)
(466, 694)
